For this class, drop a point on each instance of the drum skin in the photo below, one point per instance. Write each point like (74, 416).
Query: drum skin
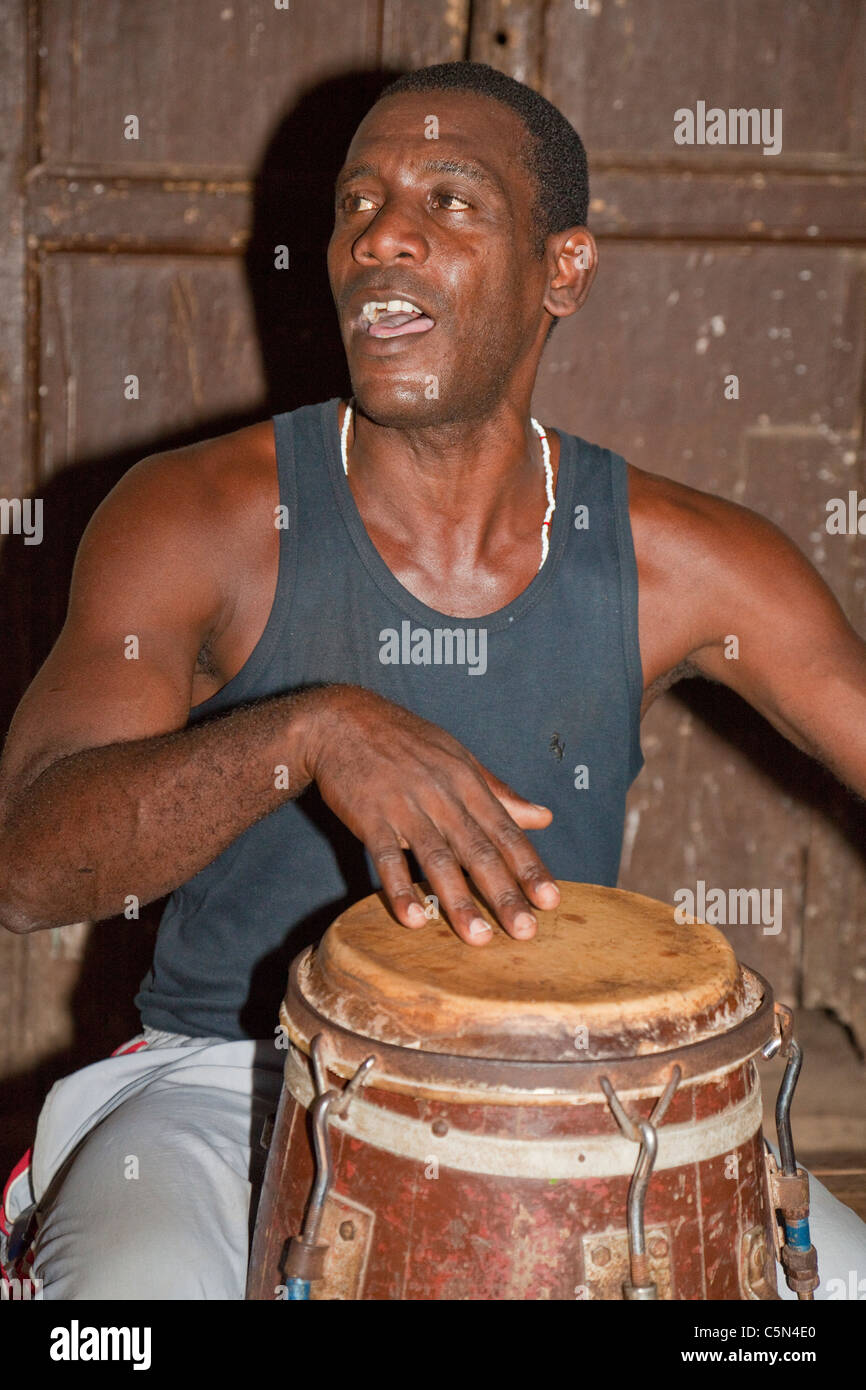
(487, 1178)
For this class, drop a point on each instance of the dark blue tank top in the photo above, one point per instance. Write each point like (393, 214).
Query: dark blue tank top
(546, 692)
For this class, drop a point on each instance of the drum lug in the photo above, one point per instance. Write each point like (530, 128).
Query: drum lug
(639, 1285)
(606, 1263)
(753, 1266)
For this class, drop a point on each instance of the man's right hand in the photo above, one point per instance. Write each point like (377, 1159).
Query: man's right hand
(399, 782)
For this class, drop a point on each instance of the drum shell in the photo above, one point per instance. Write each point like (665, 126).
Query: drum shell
(408, 1219)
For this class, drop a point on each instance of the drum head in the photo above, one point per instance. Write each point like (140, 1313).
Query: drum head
(609, 974)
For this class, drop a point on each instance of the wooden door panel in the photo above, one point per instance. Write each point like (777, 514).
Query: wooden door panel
(619, 72)
(182, 325)
(205, 79)
(642, 367)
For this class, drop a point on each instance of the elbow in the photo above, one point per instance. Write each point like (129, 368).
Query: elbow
(18, 913)
(14, 915)
(19, 923)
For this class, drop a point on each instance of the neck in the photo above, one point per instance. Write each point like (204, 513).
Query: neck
(472, 486)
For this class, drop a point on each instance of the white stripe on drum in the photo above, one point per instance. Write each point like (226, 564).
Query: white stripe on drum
(589, 1156)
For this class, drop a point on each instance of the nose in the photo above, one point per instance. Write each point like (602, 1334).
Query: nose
(391, 235)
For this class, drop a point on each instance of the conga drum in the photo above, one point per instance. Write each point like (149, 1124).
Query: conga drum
(575, 1116)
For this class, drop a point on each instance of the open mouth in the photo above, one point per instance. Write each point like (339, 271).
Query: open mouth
(394, 318)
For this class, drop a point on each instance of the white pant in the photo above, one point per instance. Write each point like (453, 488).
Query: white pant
(147, 1168)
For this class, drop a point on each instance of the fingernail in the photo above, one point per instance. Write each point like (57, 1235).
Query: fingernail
(478, 927)
(524, 924)
(536, 807)
(415, 913)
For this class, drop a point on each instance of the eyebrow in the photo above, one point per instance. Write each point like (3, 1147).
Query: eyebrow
(465, 168)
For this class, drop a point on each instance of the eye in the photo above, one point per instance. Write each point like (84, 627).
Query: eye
(351, 202)
(346, 203)
(455, 197)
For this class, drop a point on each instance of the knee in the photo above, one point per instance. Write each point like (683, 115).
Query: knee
(161, 1230)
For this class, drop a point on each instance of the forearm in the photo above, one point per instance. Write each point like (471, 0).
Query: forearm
(142, 817)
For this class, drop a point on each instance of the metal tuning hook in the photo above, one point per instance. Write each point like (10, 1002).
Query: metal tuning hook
(305, 1256)
(639, 1285)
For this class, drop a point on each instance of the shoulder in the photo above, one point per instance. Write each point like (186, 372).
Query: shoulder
(679, 526)
(187, 524)
(218, 476)
(710, 569)
(212, 491)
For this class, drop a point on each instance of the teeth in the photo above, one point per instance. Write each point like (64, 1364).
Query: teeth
(375, 307)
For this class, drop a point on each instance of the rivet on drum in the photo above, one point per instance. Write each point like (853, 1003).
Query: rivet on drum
(658, 1247)
(601, 1256)
(440, 1128)
(347, 1230)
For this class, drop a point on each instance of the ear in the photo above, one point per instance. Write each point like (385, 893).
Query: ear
(575, 259)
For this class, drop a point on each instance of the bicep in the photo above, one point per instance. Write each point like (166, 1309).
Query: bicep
(782, 641)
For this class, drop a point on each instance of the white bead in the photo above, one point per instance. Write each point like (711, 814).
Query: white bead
(548, 474)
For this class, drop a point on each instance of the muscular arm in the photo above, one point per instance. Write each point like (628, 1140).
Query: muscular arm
(714, 572)
(103, 793)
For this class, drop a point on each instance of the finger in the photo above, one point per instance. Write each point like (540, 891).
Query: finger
(493, 875)
(490, 802)
(527, 814)
(442, 870)
(390, 863)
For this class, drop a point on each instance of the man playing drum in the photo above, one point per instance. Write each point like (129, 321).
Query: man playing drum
(416, 621)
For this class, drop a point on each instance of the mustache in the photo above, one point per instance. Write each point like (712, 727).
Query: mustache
(393, 292)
